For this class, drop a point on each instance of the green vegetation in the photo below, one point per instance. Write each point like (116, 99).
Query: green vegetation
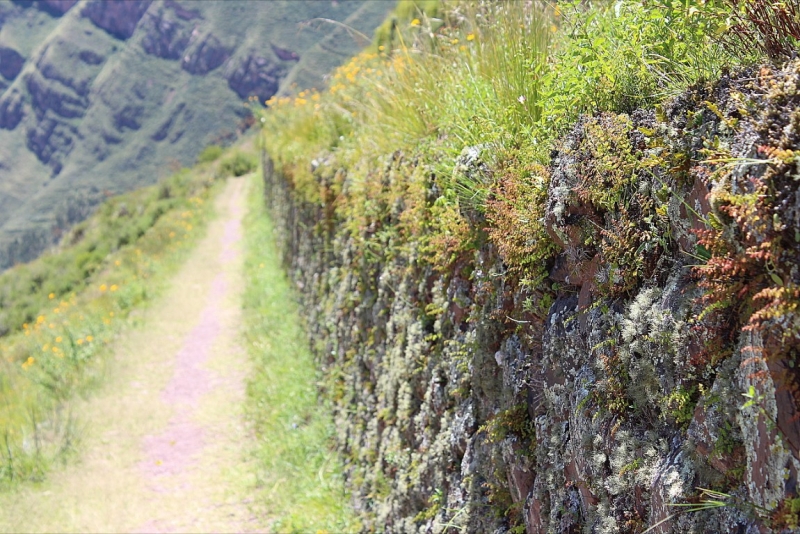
(210, 153)
(237, 164)
(475, 101)
(65, 308)
(482, 79)
(299, 476)
(122, 221)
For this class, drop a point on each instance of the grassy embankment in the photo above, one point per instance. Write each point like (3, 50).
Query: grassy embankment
(507, 80)
(63, 310)
(501, 77)
(299, 476)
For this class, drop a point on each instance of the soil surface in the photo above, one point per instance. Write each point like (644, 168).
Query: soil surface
(165, 440)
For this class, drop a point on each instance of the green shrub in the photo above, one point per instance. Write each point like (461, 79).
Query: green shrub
(209, 154)
(238, 164)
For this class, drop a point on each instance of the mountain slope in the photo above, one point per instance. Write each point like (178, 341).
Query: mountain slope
(98, 97)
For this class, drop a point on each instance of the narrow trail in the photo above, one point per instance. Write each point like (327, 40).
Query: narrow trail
(165, 442)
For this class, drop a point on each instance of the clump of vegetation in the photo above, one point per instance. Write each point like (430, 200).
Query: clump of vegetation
(237, 164)
(121, 221)
(210, 153)
(509, 77)
(770, 28)
(64, 308)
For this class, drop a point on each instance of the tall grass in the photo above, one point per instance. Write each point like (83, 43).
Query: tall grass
(502, 75)
(300, 476)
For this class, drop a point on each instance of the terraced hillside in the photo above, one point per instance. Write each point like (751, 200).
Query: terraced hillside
(100, 97)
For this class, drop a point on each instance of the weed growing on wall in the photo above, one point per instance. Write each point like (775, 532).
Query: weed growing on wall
(508, 77)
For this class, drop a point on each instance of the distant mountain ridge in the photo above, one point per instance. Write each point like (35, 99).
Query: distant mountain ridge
(99, 97)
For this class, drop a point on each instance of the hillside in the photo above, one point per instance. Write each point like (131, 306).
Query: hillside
(102, 97)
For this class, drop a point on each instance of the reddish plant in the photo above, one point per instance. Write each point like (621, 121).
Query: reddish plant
(771, 27)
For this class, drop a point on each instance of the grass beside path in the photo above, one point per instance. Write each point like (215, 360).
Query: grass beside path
(299, 476)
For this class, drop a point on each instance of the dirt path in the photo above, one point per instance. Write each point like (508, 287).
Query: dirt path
(165, 440)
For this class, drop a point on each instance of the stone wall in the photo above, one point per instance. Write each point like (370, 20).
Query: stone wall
(459, 408)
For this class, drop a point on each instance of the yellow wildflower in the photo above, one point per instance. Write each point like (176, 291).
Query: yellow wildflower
(79, 341)
(471, 37)
(45, 347)
(117, 263)
(40, 319)
(415, 22)
(59, 339)
(89, 339)
(103, 287)
(28, 362)
(51, 296)
(114, 287)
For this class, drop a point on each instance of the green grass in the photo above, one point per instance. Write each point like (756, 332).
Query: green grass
(83, 293)
(237, 164)
(299, 476)
(507, 78)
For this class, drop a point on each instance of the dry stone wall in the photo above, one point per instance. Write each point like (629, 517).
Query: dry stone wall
(457, 410)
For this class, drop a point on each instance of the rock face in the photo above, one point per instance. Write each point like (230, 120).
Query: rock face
(117, 17)
(284, 54)
(462, 406)
(11, 63)
(56, 7)
(11, 110)
(205, 55)
(256, 76)
(165, 36)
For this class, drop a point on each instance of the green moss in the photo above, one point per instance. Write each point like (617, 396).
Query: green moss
(679, 405)
(512, 421)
